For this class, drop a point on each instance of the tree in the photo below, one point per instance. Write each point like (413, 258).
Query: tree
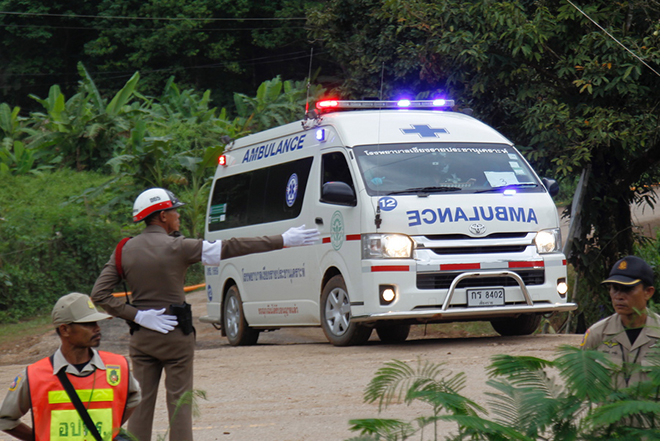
(222, 45)
(544, 75)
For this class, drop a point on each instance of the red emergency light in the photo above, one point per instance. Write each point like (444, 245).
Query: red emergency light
(222, 160)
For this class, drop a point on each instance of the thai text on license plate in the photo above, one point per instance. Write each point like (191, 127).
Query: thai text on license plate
(485, 297)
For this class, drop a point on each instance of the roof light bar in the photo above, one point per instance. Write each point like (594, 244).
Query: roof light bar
(334, 105)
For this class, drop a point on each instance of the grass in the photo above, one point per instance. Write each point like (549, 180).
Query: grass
(12, 332)
(456, 330)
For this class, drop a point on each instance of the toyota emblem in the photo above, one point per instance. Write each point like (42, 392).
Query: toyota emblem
(477, 229)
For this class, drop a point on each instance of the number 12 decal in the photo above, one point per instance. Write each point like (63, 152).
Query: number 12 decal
(387, 203)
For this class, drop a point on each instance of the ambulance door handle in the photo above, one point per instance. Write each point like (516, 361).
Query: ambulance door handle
(318, 221)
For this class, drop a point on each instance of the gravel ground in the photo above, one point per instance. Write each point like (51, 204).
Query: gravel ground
(294, 385)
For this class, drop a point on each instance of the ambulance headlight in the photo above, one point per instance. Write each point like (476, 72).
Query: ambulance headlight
(548, 241)
(386, 246)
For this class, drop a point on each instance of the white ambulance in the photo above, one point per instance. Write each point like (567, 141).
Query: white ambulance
(426, 216)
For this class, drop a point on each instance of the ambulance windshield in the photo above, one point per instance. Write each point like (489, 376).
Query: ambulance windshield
(444, 168)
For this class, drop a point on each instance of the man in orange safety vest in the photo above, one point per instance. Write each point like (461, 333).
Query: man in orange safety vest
(101, 379)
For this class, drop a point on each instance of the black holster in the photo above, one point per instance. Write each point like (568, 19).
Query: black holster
(183, 313)
(132, 326)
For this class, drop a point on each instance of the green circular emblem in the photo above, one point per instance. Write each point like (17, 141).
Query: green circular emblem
(337, 230)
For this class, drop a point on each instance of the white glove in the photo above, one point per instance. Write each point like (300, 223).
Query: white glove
(156, 320)
(297, 236)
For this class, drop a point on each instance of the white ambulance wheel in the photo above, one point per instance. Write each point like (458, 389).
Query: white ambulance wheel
(336, 316)
(522, 325)
(393, 333)
(237, 330)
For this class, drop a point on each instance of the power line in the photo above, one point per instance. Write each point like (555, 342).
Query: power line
(119, 17)
(148, 29)
(290, 56)
(612, 37)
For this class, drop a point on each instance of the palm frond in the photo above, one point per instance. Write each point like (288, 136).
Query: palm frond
(391, 429)
(485, 429)
(615, 412)
(588, 374)
(393, 381)
(505, 365)
(449, 401)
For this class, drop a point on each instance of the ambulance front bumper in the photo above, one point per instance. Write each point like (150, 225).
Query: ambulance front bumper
(453, 312)
(489, 312)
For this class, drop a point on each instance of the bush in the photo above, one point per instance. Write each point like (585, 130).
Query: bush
(51, 246)
(527, 400)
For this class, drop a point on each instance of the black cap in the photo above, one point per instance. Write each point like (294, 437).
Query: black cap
(629, 271)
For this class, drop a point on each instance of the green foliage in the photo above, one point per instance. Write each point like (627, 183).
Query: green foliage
(277, 102)
(206, 43)
(541, 73)
(527, 401)
(48, 247)
(84, 131)
(59, 228)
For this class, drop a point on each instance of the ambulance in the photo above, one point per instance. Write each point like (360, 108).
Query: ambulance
(426, 215)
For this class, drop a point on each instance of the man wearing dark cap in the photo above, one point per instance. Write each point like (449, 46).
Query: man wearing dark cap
(102, 380)
(628, 335)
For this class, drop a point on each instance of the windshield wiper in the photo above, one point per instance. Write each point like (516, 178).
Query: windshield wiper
(510, 186)
(425, 190)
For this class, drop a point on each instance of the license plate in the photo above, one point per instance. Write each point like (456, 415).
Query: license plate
(485, 297)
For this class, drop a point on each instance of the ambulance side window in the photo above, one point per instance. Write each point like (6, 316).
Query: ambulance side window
(335, 168)
(259, 196)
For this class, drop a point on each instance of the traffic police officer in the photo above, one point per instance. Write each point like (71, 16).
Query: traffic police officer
(628, 335)
(154, 264)
(112, 392)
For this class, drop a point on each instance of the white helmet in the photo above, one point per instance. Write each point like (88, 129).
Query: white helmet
(154, 200)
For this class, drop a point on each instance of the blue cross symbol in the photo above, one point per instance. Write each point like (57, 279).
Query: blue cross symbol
(424, 131)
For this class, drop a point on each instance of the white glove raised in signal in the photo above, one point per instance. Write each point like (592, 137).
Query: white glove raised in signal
(297, 236)
(156, 320)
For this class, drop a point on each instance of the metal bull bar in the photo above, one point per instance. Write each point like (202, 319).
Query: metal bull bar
(481, 275)
(445, 314)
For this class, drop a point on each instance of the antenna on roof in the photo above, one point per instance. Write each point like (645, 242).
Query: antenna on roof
(309, 81)
(382, 76)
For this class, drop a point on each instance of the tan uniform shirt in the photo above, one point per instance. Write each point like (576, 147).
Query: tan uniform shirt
(17, 401)
(155, 265)
(609, 337)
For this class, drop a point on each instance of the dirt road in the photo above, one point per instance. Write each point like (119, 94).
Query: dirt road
(293, 385)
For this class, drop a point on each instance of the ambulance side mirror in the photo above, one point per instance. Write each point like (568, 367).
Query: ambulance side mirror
(339, 193)
(551, 185)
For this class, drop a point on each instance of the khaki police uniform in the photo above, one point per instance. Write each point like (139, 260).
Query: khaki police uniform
(609, 337)
(17, 401)
(154, 265)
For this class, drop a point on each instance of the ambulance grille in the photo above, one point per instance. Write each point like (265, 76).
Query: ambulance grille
(465, 236)
(480, 250)
(443, 280)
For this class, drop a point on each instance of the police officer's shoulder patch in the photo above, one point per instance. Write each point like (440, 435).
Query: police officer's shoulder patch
(17, 381)
(584, 339)
(113, 375)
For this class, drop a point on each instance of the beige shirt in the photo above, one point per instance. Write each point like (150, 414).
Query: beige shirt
(17, 401)
(609, 337)
(155, 266)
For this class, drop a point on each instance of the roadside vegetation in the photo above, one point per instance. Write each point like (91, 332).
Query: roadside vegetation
(574, 95)
(573, 397)
(70, 172)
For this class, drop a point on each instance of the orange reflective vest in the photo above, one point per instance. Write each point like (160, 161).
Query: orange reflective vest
(103, 393)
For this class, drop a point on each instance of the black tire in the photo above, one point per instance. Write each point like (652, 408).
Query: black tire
(336, 316)
(233, 320)
(393, 333)
(522, 325)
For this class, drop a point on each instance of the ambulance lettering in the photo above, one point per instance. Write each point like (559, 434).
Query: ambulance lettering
(457, 214)
(274, 148)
